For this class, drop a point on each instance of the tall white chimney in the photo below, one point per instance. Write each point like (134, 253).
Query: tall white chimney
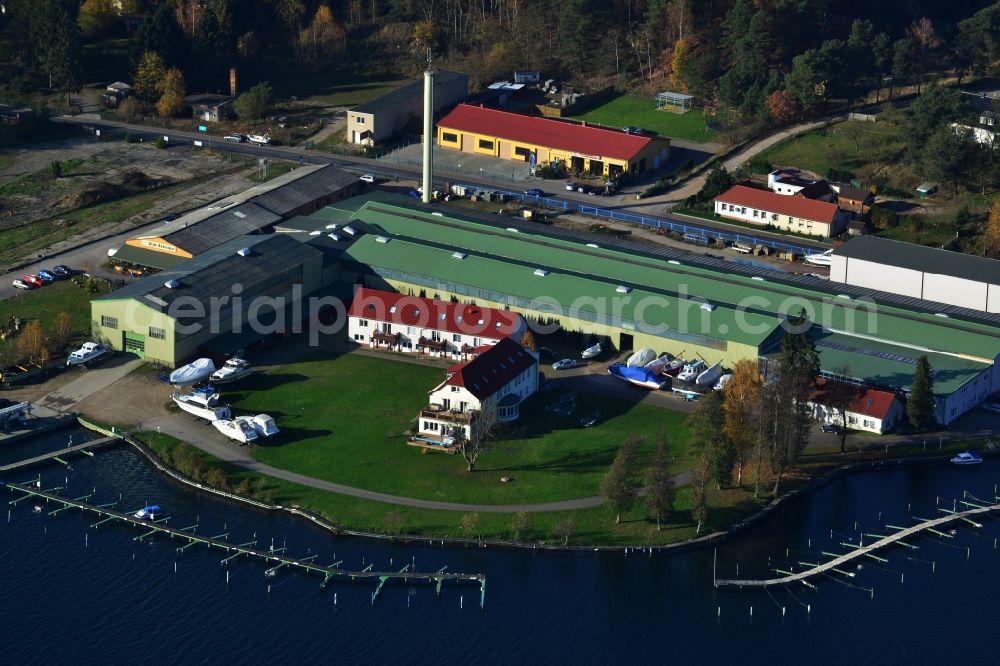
(428, 131)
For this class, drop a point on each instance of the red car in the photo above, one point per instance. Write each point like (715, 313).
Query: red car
(32, 279)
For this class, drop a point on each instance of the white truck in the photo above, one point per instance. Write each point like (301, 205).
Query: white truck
(259, 139)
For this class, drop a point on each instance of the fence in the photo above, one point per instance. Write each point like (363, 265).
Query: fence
(678, 227)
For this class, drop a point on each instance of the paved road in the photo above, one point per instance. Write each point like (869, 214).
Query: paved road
(652, 208)
(89, 382)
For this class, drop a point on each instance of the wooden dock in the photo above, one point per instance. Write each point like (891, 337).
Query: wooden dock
(58, 453)
(275, 558)
(860, 551)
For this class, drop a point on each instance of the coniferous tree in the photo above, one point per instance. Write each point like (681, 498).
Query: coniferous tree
(920, 404)
(660, 490)
(620, 486)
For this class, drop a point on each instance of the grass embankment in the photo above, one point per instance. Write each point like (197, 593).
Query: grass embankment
(641, 112)
(46, 302)
(18, 242)
(590, 526)
(343, 419)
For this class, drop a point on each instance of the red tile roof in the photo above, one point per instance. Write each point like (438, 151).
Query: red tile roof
(432, 314)
(868, 401)
(807, 209)
(493, 369)
(560, 134)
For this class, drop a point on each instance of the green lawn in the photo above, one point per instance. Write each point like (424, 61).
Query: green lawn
(592, 526)
(342, 419)
(44, 303)
(6, 159)
(641, 112)
(856, 146)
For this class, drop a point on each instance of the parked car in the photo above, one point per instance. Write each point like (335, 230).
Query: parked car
(830, 427)
(47, 276)
(564, 364)
(233, 138)
(534, 192)
(545, 352)
(21, 284)
(368, 178)
(629, 129)
(62, 271)
(33, 279)
(571, 186)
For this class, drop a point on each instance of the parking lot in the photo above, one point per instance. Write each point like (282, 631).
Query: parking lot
(455, 164)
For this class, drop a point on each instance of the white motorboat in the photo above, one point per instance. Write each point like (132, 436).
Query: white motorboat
(90, 351)
(150, 512)
(723, 380)
(265, 425)
(203, 403)
(709, 376)
(591, 352)
(192, 373)
(233, 369)
(691, 370)
(240, 429)
(641, 358)
(819, 258)
(967, 458)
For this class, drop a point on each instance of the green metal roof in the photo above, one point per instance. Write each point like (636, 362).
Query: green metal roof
(141, 256)
(727, 291)
(892, 365)
(584, 297)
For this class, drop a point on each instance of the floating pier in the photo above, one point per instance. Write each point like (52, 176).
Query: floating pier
(274, 557)
(57, 454)
(857, 552)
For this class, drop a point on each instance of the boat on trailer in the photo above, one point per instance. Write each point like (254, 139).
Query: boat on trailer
(264, 425)
(203, 403)
(641, 358)
(240, 429)
(88, 353)
(709, 376)
(232, 370)
(591, 352)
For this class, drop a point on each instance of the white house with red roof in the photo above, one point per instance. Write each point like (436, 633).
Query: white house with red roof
(396, 322)
(493, 384)
(870, 410)
(791, 213)
(584, 148)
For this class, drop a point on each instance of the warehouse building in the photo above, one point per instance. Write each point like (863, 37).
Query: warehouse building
(380, 118)
(637, 296)
(919, 272)
(582, 148)
(210, 303)
(254, 211)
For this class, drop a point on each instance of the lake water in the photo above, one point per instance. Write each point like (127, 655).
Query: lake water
(71, 594)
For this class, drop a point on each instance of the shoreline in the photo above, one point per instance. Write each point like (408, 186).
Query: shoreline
(751, 520)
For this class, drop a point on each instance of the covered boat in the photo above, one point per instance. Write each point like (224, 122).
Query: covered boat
(591, 352)
(641, 358)
(656, 366)
(709, 376)
(193, 372)
(638, 376)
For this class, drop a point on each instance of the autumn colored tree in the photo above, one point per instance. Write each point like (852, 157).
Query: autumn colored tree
(528, 341)
(171, 89)
(189, 14)
(62, 329)
(565, 529)
(782, 107)
(31, 342)
(248, 44)
(740, 400)
(148, 76)
(679, 63)
(324, 36)
(991, 235)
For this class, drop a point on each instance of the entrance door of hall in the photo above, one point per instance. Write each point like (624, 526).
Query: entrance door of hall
(135, 343)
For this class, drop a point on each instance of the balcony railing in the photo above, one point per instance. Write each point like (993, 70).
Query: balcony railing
(448, 415)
